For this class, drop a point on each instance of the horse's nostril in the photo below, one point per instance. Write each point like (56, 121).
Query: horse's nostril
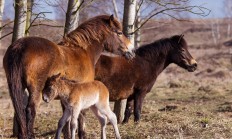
(195, 64)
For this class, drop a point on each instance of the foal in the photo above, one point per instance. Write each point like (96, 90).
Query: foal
(77, 97)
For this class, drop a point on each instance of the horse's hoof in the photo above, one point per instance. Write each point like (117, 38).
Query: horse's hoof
(13, 136)
(125, 121)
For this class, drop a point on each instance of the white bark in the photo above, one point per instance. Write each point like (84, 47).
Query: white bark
(228, 29)
(20, 19)
(115, 8)
(2, 2)
(137, 25)
(29, 13)
(128, 27)
(72, 16)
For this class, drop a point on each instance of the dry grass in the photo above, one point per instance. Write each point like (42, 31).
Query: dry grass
(181, 104)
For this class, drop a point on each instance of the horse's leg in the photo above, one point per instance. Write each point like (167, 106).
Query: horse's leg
(75, 114)
(129, 109)
(138, 100)
(63, 120)
(66, 129)
(102, 119)
(81, 125)
(35, 97)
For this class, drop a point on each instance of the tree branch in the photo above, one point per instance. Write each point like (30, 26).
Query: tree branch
(6, 35)
(6, 25)
(41, 24)
(36, 17)
(178, 9)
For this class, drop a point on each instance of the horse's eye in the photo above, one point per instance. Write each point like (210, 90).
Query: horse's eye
(119, 33)
(182, 50)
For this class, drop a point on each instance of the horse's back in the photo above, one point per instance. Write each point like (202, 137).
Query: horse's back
(37, 57)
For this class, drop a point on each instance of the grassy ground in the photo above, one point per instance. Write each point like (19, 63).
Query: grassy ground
(180, 105)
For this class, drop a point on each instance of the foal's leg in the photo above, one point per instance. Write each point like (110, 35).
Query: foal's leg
(112, 118)
(63, 120)
(129, 109)
(75, 114)
(66, 129)
(81, 125)
(102, 119)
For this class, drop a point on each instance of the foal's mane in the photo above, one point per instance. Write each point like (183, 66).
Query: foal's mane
(93, 30)
(161, 46)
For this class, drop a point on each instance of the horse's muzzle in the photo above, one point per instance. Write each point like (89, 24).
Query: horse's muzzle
(129, 55)
(46, 99)
(192, 67)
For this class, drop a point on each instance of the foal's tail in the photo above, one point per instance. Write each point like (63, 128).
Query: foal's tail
(14, 70)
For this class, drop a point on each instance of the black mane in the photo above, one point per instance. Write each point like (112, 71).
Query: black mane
(161, 46)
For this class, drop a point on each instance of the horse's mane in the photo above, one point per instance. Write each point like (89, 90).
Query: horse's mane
(95, 29)
(161, 46)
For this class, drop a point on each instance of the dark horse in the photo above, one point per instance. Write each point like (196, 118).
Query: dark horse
(132, 80)
(29, 62)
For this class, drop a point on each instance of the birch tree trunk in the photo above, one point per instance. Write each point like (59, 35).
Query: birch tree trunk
(115, 8)
(128, 27)
(137, 25)
(72, 16)
(20, 19)
(2, 2)
(29, 13)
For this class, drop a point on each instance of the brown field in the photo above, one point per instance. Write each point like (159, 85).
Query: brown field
(181, 104)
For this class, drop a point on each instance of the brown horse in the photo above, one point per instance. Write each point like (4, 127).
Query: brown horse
(28, 63)
(132, 80)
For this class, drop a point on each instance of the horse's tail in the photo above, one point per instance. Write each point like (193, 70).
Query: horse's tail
(14, 71)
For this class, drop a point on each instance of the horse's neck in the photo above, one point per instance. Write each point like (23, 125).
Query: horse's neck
(65, 88)
(95, 52)
(158, 61)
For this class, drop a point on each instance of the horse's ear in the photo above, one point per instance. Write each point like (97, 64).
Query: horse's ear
(181, 36)
(112, 17)
(56, 76)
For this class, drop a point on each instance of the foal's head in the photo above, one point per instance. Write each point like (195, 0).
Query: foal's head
(50, 90)
(180, 54)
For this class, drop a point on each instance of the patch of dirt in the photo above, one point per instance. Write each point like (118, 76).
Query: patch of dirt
(168, 108)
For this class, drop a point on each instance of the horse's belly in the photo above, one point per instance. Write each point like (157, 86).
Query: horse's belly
(79, 73)
(120, 94)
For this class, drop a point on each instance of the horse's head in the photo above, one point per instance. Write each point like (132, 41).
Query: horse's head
(50, 90)
(180, 54)
(117, 42)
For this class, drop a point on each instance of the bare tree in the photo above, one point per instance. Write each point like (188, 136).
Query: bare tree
(128, 28)
(2, 2)
(227, 9)
(72, 16)
(137, 25)
(29, 14)
(20, 19)
(115, 8)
